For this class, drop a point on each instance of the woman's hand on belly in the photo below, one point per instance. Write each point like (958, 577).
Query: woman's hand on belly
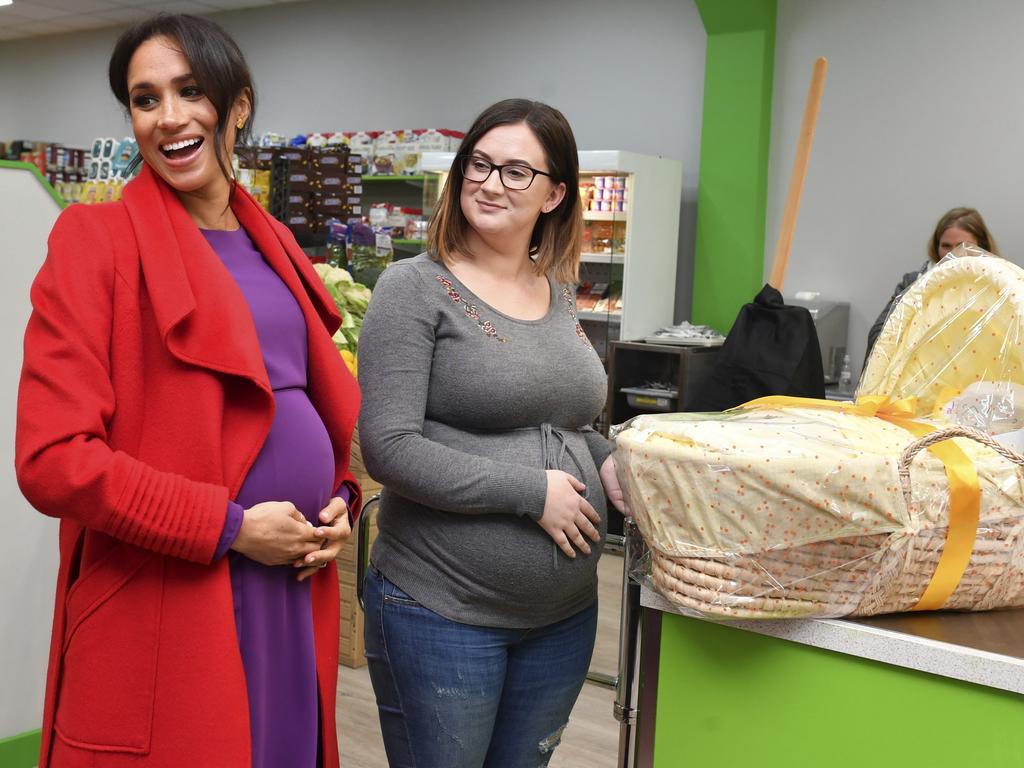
(275, 533)
(332, 536)
(612, 487)
(568, 517)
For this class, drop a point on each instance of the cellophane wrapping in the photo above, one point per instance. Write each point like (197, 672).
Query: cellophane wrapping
(799, 511)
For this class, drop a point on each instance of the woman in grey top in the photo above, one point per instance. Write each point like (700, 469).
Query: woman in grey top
(479, 391)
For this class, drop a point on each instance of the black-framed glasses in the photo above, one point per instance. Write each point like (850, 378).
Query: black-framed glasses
(513, 175)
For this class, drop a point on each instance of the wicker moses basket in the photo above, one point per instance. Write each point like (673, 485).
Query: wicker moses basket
(799, 510)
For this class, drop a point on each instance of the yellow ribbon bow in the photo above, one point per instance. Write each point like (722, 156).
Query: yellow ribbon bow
(962, 475)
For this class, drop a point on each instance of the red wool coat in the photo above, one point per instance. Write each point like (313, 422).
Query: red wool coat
(143, 403)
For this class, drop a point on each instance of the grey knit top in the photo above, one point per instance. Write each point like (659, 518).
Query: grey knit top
(463, 409)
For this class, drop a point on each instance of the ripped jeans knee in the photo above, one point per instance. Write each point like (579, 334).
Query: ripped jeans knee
(547, 745)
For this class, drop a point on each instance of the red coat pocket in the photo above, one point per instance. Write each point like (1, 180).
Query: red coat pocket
(108, 671)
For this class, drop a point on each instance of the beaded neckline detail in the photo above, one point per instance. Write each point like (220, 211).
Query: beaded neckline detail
(471, 310)
(571, 306)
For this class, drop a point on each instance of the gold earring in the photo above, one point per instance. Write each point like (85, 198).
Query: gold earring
(240, 124)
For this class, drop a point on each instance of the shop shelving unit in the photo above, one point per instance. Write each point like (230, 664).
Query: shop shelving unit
(413, 191)
(641, 258)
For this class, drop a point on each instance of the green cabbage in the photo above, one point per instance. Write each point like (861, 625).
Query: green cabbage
(351, 299)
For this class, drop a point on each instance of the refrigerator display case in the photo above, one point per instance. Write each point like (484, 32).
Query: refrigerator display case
(631, 245)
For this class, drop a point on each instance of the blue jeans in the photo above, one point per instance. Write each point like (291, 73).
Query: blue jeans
(454, 695)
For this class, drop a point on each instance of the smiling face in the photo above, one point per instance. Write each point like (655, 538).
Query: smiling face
(493, 211)
(175, 124)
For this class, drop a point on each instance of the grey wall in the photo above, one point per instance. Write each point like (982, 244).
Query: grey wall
(628, 76)
(922, 112)
(28, 547)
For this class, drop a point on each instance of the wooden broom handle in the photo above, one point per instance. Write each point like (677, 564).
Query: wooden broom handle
(796, 179)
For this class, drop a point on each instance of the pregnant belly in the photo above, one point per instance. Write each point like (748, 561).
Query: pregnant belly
(296, 462)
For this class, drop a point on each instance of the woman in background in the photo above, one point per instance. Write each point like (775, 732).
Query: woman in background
(185, 414)
(957, 226)
(481, 386)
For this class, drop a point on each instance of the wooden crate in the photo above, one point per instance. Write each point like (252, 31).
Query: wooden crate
(352, 652)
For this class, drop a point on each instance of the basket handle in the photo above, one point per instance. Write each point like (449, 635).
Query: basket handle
(945, 434)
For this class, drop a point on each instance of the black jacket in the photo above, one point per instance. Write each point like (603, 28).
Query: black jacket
(772, 349)
(908, 280)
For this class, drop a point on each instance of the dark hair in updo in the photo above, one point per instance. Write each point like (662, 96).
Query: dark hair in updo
(217, 63)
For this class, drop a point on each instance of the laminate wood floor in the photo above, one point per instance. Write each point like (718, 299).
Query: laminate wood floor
(590, 741)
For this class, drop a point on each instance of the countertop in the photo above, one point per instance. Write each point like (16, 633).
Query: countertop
(983, 648)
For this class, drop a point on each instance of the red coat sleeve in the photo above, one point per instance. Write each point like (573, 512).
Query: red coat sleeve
(65, 465)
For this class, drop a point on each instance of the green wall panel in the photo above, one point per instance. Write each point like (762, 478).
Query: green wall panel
(735, 138)
(31, 168)
(21, 751)
(727, 697)
(724, 16)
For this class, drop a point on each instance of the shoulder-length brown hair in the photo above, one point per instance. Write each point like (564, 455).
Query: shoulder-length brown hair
(967, 219)
(558, 235)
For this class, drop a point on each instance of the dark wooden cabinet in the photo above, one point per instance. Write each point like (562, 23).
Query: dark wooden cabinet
(633, 364)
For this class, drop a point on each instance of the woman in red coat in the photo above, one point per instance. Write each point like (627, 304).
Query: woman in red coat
(185, 414)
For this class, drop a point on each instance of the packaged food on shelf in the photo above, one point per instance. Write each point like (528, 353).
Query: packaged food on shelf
(330, 159)
(399, 152)
(89, 175)
(271, 139)
(361, 142)
(437, 139)
(605, 194)
(396, 221)
(256, 183)
(390, 152)
(337, 243)
(587, 190)
(122, 157)
(416, 229)
(302, 223)
(604, 236)
(322, 182)
(589, 294)
(370, 252)
(611, 299)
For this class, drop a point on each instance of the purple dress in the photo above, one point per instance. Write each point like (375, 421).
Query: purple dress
(273, 611)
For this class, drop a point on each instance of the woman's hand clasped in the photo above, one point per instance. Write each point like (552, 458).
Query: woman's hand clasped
(332, 534)
(276, 533)
(568, 518)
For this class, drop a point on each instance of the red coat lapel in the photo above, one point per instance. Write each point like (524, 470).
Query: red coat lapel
(195, 300)
(288, 260)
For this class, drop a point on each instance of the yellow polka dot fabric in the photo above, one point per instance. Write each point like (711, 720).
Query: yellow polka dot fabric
(960, 323)
(751, 481)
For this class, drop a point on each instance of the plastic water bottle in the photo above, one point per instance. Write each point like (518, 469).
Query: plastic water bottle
(845, 375)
